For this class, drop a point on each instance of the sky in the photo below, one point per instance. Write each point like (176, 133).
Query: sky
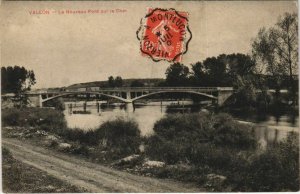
(64, 49)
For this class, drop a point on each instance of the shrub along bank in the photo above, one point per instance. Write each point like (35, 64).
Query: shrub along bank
(222, 147)
(192, 137)
(45, 118)
(194, 147)
(117, 138)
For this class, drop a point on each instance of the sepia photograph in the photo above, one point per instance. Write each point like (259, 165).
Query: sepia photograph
(149, 96)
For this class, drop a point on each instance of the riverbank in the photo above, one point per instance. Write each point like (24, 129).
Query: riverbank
(137, 164)
(213, 151)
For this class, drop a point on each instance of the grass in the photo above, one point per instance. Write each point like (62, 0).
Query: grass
(20, 177)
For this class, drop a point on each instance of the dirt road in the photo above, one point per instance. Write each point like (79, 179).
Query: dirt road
(93, 177)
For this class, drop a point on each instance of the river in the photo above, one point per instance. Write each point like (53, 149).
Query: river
(269, 130)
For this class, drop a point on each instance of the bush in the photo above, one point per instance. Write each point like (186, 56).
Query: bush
(121, 137)
(176, 125)
(118, 137)
(196, 136)
(159, 148)
(87, 137)
(45, 118)
(6, 154)
(223, 146)
(11, 117)
(228, 132)
(277, 169)
(80, 149)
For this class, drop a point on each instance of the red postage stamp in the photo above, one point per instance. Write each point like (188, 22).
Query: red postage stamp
(164, 34)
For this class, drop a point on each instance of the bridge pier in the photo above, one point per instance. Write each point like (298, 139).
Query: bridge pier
(40, 101)
(36, 100)
(129, 107)
(128, 95)
(84, 107)
(70, 108)
(223, 95)
(98, 107)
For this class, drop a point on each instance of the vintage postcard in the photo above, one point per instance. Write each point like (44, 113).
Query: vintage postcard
(149, 96)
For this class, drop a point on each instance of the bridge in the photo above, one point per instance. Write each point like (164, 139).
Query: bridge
(131, 94)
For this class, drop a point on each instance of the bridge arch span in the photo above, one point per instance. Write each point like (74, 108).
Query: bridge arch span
(85, 92)
(189, 92)
(118, 93)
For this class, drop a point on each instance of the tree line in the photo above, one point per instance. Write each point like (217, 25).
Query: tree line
(273, 64)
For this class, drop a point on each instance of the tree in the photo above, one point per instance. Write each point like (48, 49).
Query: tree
(118, 81)
(16, 79)
(199, 76)
(245, 94)
(111, 81)
(222, 70)
(276, 51)
(216, 70)
(177, 75)
(239, 65)
(115, 82)
(234, 70)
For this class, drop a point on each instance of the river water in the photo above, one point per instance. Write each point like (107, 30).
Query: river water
(267, 131)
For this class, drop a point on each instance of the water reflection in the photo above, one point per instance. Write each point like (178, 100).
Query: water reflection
(269, 136)
(280, 115)
(268, 131)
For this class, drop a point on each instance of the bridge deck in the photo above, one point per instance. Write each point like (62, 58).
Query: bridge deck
(136, 89)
